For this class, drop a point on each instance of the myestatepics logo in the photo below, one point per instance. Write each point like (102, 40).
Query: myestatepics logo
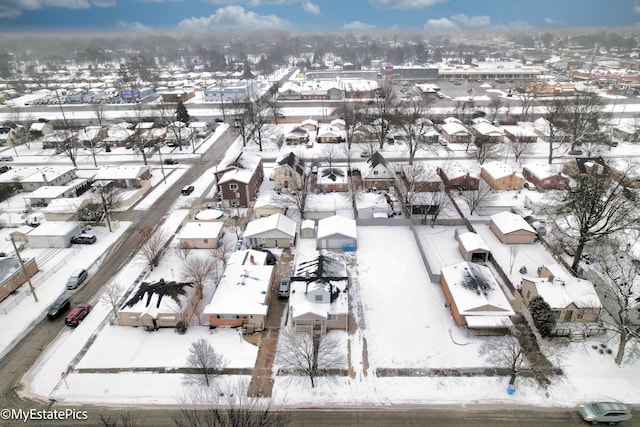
(42, 414)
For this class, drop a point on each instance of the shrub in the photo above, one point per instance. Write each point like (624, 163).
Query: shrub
(542, 316)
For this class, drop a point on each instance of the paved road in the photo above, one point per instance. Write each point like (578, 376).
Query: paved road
(16, 363)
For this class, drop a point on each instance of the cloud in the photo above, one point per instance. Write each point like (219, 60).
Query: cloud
(636, 9)
(133, 27)
(233, 18)
(357, 26)
(404, 4)
(471, 21)
(442, 24)
(15, 8)
(309, 7)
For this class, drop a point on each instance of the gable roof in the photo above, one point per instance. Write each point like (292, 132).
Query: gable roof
(497, 169)
(337, 225)
(200, 230)
(293, 161)
(562, 292)
(376, 159)
(473, 242)
(275, 222)
(508, 222)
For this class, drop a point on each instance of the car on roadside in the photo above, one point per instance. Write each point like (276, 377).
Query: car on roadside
(170, 161)
(284, 288)
(59, 306)
(604, 412)
(575, 152)
(84, 239)
(77, 279)
(6, 158)
(187, 189)
(76, 314)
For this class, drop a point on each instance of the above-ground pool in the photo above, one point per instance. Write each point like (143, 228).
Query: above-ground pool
(208, 214)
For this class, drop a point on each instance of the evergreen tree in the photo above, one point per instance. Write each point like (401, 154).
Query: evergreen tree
(182, 115)
(542, 316)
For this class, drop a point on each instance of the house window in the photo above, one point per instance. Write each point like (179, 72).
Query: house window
(556, 314)
(205, 241)
(580, 315)
(332, 317)
(235, 203)
(233, 187)
(226, 316)
(528, 295)
(318, 298)
(375, 172)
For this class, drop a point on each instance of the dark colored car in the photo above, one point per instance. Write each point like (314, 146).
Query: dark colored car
(271, 258)
(76, 315)
(4, 168)
(59, 306)
(77, 279)
(170, 161)
(188, 190)
(84, 239)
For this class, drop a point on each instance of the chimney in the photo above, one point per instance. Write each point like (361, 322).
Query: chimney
(252, 260)
(44, 178)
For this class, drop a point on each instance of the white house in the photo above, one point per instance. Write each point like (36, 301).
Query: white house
(274, 231)
(336, 232)
(200, 234)
(54, 234)
(377, 173)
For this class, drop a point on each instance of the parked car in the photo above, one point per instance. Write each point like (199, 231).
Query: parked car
(284, 288)
(6, 158)
(575, 152)
(77, 279)
(4, 168)
(271, 258)
(59, 306)
(605, 412)
(76, 314)
(188, 190)
(84, 239)
(170, 161)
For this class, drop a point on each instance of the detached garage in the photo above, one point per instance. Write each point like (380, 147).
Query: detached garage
(54, 234)
(511, 228)
(336, 232)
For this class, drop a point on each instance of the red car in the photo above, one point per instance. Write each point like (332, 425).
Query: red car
(76, 315)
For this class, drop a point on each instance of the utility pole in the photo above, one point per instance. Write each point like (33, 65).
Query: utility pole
(24, 270)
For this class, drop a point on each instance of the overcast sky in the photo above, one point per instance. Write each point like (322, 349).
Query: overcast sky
(312, 15)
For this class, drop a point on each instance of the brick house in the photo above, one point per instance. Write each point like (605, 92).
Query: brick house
(239, 177)
(500, 176)
(545, 177)
(456, 176)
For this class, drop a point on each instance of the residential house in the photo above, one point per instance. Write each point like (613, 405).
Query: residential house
(47, 193)
(319, 297)
(310, 125)
(501, 176)
(92, 136)
(430, 135)
(135, 176)
(200, 234)
(288, 171)
(13, 274)
(472, 247)
(243, 294)
(475, 298)
(336, 232)
(275, 231)
(54, 234)
(455, 133)
(41, 128)
(456, 176)
(545, 176)
(520, 134)
(239, 177)
(298, 135)
(485, 132)
(378, 173)
(160, 304)
(510, 228)
(627, 131)
(289, 91)
(328, 134)
(65, 209)
(339, 124)
(119, 134)
(333, 178)
(267, 204)
(422, 177)
(373, 205)
(33, 177)
(571, 299)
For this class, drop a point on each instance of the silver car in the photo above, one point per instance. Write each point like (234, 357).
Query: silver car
(605, 412)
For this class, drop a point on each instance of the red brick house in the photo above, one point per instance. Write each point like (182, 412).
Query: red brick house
(545, 177)
(456, 176)
(239, 177)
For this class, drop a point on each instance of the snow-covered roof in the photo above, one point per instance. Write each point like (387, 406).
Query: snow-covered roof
(487, 129)
(473, 242)
(337, 225)
(497, 169)
(55, 228)
(109, 173)
(48, 192)
(311, 122)
(301, 302)
(508, 222)
(35, 174)
(519, 131)
(332, 175)
(328, 131)
(65, 205)
(200, 230)
(248, 257)
(456, 170)
(475, 291)
(242, 290)
(240, 175)
(262, 227)
(308, 224)
(292, 161)
(238, 167)
(542, 171)
(455, 129)
(566, 289)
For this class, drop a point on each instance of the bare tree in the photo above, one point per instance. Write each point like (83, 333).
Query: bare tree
(111, 296)
(236, 220)
(595, 207)
(487, 151)
(184, 250)
(124, 419)
(519, 149)
(329, 153)
(205, 362)
(513, 256)
(152, 245)
(414, 125)
(199, 269)
(98, 111)
(584, 118)
(108, 198)
(508, 351)
(141, 139)
(527, 98)
(382, 114)
(310, 356)
(475, 199)
(495, 104)
(618, 287)
(351, 112)
(227, 407)
(222, 252)
(556, 137)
